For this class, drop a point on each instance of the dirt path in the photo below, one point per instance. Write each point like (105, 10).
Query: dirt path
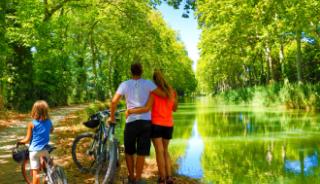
(13, 128)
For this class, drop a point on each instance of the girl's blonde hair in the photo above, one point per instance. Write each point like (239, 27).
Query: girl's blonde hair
(40, 110)
(162, 83)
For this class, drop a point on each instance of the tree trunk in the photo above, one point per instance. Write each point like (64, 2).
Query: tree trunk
(262, 75)
(269, 64)
(298, 56)
(110, 80)
(281, 59)
(2, 52)
(94, 56)
(93, 64)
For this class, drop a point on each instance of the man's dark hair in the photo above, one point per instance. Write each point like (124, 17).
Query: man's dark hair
(136, 69)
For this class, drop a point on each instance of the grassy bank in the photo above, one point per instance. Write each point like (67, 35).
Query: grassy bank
(291, 96)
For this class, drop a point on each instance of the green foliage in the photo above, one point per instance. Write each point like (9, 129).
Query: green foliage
(246, 43)
(292, 96)
(95, 107)
(301, 96)
(77, 51)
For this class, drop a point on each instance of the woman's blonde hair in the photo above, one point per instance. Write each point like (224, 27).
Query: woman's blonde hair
(162, 83)
(40, 110)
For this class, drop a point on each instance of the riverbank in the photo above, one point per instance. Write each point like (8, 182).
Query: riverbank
(289, 96)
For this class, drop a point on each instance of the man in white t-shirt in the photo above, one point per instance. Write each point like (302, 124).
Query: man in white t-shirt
(138, 126)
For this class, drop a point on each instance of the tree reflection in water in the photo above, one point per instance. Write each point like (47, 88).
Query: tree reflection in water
(190, 163)
(244, 145)
(304, 166)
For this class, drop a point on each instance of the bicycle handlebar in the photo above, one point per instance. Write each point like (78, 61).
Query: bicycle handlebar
(48, 147)
(107, 112)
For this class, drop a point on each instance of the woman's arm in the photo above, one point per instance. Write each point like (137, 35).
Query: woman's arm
(29, 134)
(144, 109)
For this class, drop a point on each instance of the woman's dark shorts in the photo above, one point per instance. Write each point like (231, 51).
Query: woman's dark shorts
(161, 131)
(137, 137)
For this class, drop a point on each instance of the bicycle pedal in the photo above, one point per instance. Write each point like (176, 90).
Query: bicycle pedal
(88, 152)
(41, 175)
(121, 149)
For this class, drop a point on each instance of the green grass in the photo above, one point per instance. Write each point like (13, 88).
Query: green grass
(291, 96)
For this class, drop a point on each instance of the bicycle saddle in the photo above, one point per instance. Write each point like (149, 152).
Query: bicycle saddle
(50, 148)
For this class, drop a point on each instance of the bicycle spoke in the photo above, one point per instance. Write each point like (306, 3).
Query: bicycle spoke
(83, 152)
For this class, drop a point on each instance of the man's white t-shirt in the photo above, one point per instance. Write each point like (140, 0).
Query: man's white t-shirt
(137, 94)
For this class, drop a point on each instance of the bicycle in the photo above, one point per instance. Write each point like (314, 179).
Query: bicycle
(52, 174)
(98, 152)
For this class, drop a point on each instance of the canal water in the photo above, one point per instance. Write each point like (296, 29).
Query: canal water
(240, 144)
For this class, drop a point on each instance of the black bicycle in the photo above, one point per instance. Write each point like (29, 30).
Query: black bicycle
(52, 174)
(98, 152)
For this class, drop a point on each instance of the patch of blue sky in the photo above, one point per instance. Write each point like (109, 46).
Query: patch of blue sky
(187, 29)
(33, 49)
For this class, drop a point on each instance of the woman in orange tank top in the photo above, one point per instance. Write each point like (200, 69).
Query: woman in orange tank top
(162, 124)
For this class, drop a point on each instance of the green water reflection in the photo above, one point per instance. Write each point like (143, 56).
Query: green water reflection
(238, 144)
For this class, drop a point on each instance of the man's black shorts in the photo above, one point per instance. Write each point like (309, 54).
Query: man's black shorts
(161, 131)
(137, 137)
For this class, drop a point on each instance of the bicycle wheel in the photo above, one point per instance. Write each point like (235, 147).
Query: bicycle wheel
(55, 175)
(61, 177)
(26, 171)
(106, 170)
(84, 149)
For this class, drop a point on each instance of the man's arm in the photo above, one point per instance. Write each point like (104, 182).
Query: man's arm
(113, 107)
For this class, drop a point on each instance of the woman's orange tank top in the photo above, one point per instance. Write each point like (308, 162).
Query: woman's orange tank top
(161, 113)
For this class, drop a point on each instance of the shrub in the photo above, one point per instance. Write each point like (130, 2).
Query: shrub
(293, 96)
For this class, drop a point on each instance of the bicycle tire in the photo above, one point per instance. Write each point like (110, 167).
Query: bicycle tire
(79, 149)
(26, 171)
(106, 171)
(60, 176)
(53, 175)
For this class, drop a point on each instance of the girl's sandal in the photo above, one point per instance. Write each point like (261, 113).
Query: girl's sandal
(169, 180)
(161, 180)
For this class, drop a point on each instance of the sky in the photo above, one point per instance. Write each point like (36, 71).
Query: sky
(187, 29)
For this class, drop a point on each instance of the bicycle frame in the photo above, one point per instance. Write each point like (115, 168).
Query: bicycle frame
(103, 133)
(98, 149)
(44, 162)
(105, 171)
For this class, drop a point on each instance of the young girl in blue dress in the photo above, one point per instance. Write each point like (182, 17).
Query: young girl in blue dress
(38, 136)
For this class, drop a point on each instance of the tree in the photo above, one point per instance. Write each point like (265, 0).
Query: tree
(246, 43)
(82, 49)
